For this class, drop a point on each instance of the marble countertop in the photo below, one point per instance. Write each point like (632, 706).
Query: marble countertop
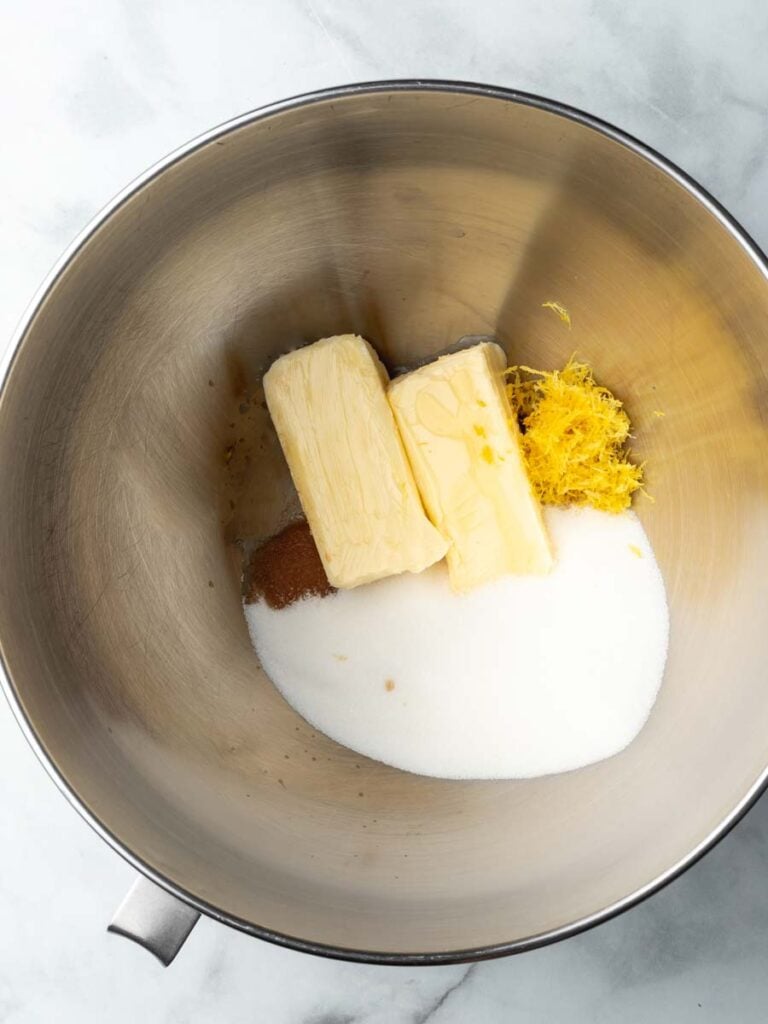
(90, 94)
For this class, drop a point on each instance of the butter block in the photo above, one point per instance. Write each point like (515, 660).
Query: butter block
(329, 405)
(463, 443)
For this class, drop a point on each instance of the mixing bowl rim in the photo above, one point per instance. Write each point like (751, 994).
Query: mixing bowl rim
(70, 254)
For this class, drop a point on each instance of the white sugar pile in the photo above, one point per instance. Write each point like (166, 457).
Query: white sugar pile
(522, 677)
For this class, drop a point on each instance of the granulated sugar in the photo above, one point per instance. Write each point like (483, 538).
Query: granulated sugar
(525, 676)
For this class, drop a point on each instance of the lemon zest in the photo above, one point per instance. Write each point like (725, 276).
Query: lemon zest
(574, 438)
(561, 311)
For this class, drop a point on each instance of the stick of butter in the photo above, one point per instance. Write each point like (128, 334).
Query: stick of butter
(463, 443)
(328, 403)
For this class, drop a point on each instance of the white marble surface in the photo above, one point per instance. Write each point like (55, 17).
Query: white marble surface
(92, 93)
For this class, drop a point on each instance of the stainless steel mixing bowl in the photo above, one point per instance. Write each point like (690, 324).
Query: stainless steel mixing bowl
(135, 449)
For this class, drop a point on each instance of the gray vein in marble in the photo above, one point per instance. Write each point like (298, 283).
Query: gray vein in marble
(103, 102)
(332, 1018)
(318, 19)
(340, 29)
(753, 165)
(754, 106)
(61, 222)
(148, 46)
(428, 1014)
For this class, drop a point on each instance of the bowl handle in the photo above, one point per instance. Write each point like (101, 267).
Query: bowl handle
(156, 920)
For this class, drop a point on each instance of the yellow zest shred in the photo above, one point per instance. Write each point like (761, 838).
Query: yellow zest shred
(636, 550)
(574, 438)
(561, 311)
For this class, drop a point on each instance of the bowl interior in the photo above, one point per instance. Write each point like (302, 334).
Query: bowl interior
(135, 450)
